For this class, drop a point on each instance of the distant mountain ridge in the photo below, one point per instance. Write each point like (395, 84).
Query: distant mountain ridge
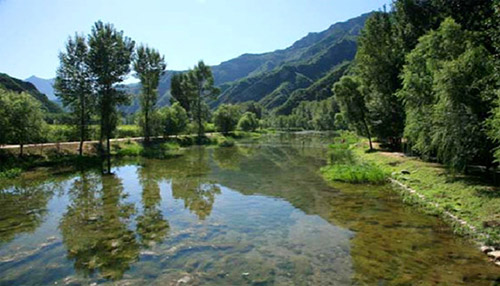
(279, 80)
(45, 86)
(13, 84)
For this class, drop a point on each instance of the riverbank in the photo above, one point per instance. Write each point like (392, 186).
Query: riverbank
(66, 153)
(470, 204)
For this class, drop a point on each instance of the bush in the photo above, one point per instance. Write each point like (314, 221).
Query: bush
(11, 173)
(248, 122)
(124, 131)
(161, 151)
(174, 119)
(226, 118)
(226, 142)
(129, 148)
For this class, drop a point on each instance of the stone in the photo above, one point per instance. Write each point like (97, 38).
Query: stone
(245, 274)
(487, 249)
(494, 254)
(184, 280)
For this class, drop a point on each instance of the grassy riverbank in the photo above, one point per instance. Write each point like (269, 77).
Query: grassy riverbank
(470, 198)
(11, 165)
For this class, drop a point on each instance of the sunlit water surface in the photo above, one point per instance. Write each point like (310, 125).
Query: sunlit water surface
(255, 214)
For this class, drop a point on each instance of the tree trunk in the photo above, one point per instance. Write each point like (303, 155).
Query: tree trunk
(109, 154)
(200, 131)
(146, 125)
(368, 133)
(21, 149)
(82, 124)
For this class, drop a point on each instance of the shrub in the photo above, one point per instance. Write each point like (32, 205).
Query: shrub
(174, 119)
(226, 118)
(226, 142)
(124, 131)
(129, 148)
(248, 122)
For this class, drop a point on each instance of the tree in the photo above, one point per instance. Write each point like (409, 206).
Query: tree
(174, 119)
(494, 127)
(74, 86)
(463, 104)
(352, 105)
(417, 94)
(24, 118)
(248, 122)
(254, 107)
(447, 94)
(202, 80)
(378, 64)
(149, 66)
(4, 117)
(109, 60)
(182, 90)
(226, 117)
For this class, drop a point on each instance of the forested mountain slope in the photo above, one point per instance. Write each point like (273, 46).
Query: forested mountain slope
(13, 84)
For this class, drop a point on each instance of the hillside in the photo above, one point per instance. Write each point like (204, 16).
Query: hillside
(321, 58)
(273, 77)
(9, 83)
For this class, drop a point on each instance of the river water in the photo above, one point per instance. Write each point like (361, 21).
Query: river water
(258, 213)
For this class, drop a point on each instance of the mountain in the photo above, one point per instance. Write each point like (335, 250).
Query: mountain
(318, 58)
(45, 86)
(13, 84)
(281, 79)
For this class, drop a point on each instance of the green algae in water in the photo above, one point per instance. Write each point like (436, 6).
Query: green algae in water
(252, 214)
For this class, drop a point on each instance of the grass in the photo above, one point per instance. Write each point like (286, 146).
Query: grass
(225, 142)
(345, 166)
(359, 173)
(470, 198)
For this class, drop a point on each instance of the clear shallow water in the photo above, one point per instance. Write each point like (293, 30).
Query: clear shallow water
(255, 214)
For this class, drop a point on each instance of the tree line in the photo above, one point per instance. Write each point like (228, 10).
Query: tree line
(427, 73)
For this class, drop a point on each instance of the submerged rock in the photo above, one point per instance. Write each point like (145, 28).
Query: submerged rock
(184, 280)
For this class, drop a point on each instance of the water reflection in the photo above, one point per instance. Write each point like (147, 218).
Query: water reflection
(253, 214)
(22, 209)
(94, 227)
(193, 187)
(152, 227)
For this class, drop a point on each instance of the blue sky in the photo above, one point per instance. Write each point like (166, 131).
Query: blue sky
(33, 32)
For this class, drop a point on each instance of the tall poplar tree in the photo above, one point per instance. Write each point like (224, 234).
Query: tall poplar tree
(74, 86)
(149, 66)
(109, 59)
(202, 80)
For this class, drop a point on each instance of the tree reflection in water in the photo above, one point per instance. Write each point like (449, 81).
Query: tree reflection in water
(152, 227)
(22, 209)
(94, 229)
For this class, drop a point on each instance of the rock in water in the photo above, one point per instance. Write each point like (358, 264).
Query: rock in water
(184, 280)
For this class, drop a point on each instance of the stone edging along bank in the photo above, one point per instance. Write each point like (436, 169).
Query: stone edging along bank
(493, 254)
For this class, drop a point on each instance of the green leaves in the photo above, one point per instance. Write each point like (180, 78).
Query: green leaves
(149, 66)
(226, 117)
(21, 118)
(447, 92)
